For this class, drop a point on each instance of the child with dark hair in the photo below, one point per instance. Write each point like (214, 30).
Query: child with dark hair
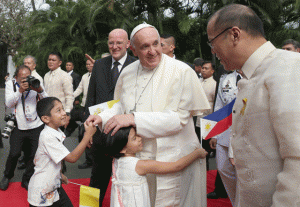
(44, 187)
(129, 182)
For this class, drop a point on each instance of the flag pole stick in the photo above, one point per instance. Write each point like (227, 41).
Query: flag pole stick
(74, 183)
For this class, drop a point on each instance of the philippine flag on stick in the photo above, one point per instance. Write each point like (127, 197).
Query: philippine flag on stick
(217, 122)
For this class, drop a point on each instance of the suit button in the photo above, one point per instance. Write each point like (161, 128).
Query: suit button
(233, 111)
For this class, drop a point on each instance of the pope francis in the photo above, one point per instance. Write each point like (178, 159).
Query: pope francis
(159, 96)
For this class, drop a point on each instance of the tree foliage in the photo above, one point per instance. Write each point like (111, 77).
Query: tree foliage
(82, 26)
(14, 24)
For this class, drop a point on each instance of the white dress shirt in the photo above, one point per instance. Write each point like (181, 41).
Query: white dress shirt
(121, 61)
(46, 178)
(27, 118)
(59, 84)
(83, 87)
(209, 87)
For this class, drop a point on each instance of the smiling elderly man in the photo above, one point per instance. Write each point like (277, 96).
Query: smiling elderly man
(159, 95)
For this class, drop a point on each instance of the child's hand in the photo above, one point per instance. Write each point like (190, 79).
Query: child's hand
(64, 179)
(201, 153)
(90, 129)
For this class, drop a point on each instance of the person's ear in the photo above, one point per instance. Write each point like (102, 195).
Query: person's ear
(133, 50)
(235, 34)
(45, 119)
(127, 44)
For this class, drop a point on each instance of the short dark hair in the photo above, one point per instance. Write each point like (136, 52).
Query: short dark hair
(114, 144)
(198, 62)
(169, 37)
(291, 41)
(69, 61)
(21, 67)
(241, 16)
(45, 106)
(58, 54)
(213, 66)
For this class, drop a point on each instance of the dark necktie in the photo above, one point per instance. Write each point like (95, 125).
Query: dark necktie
(115, 72)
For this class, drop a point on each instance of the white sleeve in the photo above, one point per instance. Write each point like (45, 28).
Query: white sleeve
(11, 97)
(79, 89)
(159, 124)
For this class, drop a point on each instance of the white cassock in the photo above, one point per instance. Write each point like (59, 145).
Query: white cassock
(164, 100)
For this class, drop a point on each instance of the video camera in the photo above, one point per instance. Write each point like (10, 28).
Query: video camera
(10, 125)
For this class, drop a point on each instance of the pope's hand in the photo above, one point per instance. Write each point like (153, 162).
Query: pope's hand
(119, 121)
(94, 119)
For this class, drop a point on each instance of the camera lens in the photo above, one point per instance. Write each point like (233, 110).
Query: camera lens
(10, 125)
(35, 83)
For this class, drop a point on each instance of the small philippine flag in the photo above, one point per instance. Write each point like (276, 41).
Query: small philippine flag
(217, 122)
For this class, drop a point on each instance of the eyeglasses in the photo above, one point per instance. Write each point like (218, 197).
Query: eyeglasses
(209, 42)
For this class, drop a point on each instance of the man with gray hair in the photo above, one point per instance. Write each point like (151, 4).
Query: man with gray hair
(30, 62)
(159, 96)
(291, 45)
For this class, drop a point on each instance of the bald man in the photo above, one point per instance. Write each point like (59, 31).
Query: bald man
(101, 89)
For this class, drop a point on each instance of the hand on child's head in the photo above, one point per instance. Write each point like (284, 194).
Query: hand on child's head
(90, 128)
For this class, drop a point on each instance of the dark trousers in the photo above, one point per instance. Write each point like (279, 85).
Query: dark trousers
(219, 186)
(18, 138)
(64, 200)
(102, 167)
(77, 114)
(205, 145)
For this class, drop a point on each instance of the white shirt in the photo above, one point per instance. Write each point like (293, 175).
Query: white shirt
(60, 85)
(83, 87)
(209, 87)
(47, 161)
(37, 76)
(70, 72)
(27, 119)
(121, 61)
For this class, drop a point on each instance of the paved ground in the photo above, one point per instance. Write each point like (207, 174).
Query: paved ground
(70, 143)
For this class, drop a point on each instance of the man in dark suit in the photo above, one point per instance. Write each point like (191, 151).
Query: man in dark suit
(101, 89)
(76, 77)
(76, 80)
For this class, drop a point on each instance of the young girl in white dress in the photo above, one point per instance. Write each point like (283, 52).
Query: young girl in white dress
(129, 183)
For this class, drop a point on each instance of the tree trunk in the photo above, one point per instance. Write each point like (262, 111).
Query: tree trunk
(33, 5)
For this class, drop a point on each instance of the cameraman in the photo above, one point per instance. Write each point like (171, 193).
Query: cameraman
(22, 97)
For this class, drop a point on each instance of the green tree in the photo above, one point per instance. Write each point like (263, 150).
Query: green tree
(14, 24)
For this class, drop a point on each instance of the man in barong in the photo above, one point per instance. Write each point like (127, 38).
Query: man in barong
(159, 96)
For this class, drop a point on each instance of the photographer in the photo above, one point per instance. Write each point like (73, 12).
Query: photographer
(22, 96)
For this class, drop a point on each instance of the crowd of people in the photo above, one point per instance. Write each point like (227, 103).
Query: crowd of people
(150, 141)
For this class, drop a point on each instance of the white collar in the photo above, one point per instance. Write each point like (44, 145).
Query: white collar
(121, 61)
(57, 133)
